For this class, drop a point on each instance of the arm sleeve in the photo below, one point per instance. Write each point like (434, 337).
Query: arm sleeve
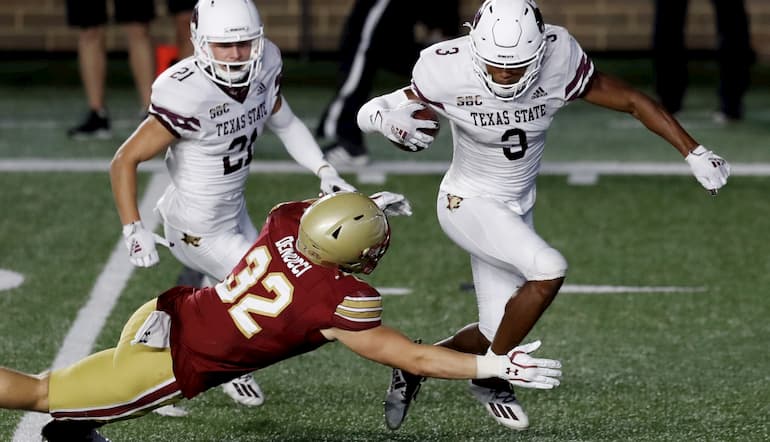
(296, 137)
(359, 311)
(369, 117)
(581, 68)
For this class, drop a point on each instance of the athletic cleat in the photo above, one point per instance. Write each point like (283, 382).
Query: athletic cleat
(502, 406)
(72, 431)
(171, 411)
(96, 124)
(403, 389)
(339, 157)
(245, 391)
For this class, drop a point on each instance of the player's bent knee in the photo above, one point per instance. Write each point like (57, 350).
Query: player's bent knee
(549, 264)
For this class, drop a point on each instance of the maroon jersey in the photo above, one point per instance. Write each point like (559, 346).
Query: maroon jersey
(270, 308)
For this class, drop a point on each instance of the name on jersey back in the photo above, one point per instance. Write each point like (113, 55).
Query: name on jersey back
(295, 263)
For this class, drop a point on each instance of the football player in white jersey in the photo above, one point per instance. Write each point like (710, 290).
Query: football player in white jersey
(500, 87)
(207, 113)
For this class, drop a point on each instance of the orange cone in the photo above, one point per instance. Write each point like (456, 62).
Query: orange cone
(165, 56)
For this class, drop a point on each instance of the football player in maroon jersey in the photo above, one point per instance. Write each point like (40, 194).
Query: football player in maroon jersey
(292, 292)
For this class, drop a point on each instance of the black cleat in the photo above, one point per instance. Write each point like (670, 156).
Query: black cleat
(72, 431)
(96, 124)
(403, 389)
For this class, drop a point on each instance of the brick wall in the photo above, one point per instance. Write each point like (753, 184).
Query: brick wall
(39, 25)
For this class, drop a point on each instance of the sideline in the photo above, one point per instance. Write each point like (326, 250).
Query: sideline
(579, 173)
(92, 316)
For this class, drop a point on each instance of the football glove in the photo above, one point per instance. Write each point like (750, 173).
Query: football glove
(709, 169)
(331, 182)
(520, 369)
(140, 243)
(399, 126)
(393, 204)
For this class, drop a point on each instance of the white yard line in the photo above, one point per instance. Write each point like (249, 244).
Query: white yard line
(611, 289)
(570, 168)
(92, 316)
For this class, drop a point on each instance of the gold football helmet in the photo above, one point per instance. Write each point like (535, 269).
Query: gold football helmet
(345, 230)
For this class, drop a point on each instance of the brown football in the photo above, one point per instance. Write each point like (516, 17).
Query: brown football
(423, 114)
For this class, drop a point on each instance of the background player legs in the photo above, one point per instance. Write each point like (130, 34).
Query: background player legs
(92, 61)
(141, 59)
(735, 56)
(669, 54)
(183, 42)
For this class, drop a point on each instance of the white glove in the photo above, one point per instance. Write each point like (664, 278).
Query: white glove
(331, 182)
(140, 243)
(520, 369)
(399, 126)
(393, 204)
(709, 169)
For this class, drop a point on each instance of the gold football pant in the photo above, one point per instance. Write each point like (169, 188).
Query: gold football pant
(120, 383)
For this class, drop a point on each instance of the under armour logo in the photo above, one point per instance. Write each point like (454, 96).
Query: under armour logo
(515, 371)
(145, 337)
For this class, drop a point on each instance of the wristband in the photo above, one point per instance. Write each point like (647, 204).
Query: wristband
(130, 228)
(488, 366)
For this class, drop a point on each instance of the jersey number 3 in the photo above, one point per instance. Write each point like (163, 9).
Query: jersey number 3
(517, 154)
(235, 289)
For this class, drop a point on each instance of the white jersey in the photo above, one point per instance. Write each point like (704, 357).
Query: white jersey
(498, 144)
(209, 161)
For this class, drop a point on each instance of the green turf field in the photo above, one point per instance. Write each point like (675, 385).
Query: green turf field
(673, 366)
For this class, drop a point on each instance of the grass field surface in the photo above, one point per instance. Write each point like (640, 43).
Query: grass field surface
(689, 365)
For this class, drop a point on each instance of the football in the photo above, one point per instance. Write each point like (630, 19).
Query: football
(423, 114)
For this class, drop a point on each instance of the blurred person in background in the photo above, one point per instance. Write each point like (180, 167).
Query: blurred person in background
(378, 34)
(90, 17)
(734, 55)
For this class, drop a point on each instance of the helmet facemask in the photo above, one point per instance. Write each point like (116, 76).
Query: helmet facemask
(507, 34)
(227, 22)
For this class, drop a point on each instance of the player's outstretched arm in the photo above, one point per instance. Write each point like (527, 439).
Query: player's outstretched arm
(389, 347)
(709, 169)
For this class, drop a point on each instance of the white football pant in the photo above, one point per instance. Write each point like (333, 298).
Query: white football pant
(505, 251)
(214, 255)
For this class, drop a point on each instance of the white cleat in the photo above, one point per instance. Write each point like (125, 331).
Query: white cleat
(245, 391)
(502, 406)
(171, 411)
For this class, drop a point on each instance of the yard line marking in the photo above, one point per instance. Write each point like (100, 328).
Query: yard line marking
(580, 289)
(10, 279)
(611, 289)
(92, 316)
(394, 291)
(580, 169)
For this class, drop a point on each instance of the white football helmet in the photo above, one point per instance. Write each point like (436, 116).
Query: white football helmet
(227, 21)
(507, 34)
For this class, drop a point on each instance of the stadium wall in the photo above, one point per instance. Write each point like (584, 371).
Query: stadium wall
(600, 25)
